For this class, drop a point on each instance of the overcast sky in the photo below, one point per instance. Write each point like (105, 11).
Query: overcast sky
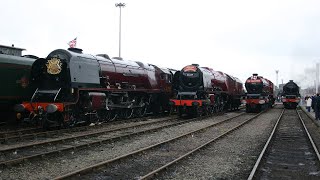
(238, 37)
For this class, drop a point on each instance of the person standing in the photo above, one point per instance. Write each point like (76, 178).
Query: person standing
(317, 106)
(313, 102)
(309, 102)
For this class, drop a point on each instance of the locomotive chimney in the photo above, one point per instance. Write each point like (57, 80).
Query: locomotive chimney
(197, 65)
(254, 74)
(290, 80)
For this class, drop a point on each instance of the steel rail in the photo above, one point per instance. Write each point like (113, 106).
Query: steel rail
(103, 131)
(6, 138)
(310, 138)
(88, 144)
(256, 165)
(6, 132)
(92, 167)
(155, 172)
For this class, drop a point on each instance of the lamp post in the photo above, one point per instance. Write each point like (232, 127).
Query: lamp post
(120, 5)
(317, 77)
(277, 71)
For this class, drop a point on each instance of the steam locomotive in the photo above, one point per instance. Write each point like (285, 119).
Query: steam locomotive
(201, 90)
(290, 95)
(260, 93)
(15, 72)
(72, 87)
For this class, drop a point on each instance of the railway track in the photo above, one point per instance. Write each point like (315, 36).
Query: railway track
(16, 154)
(146, 162)
(289, 153)
(34, 133)
(6, 134)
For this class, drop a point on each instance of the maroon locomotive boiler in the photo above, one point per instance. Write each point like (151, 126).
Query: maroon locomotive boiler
(201, 90)
(73, 87)
(260, 93)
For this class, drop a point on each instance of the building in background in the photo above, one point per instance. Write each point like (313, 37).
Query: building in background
(11, 50)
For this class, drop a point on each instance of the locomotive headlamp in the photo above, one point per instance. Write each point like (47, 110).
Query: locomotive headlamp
(51, 108)
(262, 101)
(40, 109)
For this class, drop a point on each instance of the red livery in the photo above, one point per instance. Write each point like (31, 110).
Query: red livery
(72, 87)
(201, 90)
(259, 94)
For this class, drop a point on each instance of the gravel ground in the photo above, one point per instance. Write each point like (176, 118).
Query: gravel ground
(78, 141)
(148, 161)
(50, 167)
(230, 158)
(98, 128)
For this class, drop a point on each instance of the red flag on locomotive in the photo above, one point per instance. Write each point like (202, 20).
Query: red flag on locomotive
(73, 43)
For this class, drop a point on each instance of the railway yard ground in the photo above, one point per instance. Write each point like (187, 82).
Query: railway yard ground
(231, 145)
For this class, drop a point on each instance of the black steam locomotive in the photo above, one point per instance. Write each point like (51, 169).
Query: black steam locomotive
(290, 95)
(72, 87)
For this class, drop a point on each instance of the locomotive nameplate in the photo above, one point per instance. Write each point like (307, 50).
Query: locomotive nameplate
(190, 69)
(253, 81)
(54, 66)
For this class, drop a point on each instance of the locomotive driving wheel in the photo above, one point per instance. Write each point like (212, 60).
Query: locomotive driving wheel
(55, 119)
(125, 113)
(140, 111)
(111, 115)
(172, 110)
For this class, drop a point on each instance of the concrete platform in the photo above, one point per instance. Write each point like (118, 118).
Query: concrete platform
(311, 115)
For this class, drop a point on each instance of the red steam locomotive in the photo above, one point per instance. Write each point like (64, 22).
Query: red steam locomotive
(260, 94)
(73, 87)
(201, 90)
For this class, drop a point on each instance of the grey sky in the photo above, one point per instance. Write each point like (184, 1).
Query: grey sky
(236, 37)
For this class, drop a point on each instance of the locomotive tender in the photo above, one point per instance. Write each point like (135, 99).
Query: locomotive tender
(201, 90)
(260, 93)
(290, 95)
(15, 72)
(73, 87)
